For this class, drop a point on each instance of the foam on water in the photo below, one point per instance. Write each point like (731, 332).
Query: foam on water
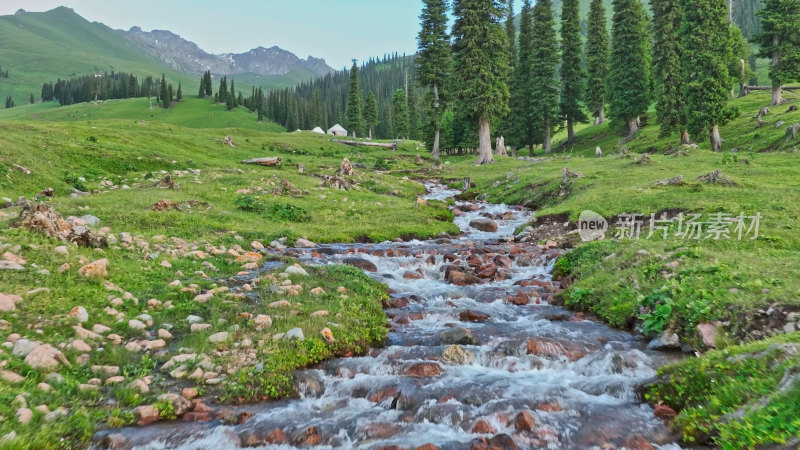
(569, 398)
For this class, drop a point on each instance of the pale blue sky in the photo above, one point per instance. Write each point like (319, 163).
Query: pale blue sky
(337, 30)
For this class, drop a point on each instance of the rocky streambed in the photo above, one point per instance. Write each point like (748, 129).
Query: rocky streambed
(477, 357)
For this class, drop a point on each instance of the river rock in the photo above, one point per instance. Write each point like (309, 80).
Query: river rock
(146, 414)
(457, 356)
(24, 416)
(485, 225)
(473, 316)
(304, 243)
(457, 336)
(708, 332)
(10, 265)
(524, 421)
(665, 341)
(311, 436)
(423, 370)
(308, 383)
(361, 263)
(12, 377)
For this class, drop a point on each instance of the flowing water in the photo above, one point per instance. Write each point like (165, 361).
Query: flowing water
(575, 377)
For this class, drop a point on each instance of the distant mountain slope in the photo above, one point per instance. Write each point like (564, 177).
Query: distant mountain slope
(186, 56)
(38, 47)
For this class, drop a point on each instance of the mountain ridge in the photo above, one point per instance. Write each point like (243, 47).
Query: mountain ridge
(186, 56)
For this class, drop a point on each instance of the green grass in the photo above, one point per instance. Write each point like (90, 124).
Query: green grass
(191, 113)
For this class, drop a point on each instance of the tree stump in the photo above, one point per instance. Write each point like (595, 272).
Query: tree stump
(791, 132)
(345, 168)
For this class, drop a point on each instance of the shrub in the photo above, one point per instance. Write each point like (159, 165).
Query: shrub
(286, 212)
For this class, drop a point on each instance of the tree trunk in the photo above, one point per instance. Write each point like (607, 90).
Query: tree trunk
(633, 127)
(437, 154)
(370, 132)
(685, 140)
(570, 132)
(716, 139)
(777, 95)
(546, 145)
(485, 139)
(601, 116)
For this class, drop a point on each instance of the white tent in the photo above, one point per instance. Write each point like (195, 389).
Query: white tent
(337, 130)
(318, 130)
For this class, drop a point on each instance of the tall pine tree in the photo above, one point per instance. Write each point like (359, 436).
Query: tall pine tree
(521, 101)
(667, 71)
(164, 92)
(780, 41)
(572, 76)
(434, 65)
(481, 72)
(400, 114)
(543, 88)
(597, 55)
(629, 74)
(179, 95)
(354, 101)
(706, 40)
(370, 113)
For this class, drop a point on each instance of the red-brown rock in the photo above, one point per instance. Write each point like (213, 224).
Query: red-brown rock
(524, 421)
(427, 447)
(424, 370)
(276, 436)
(664, 412)
(521, 299)
(310, 436)
(503, 261)
(637, 442)
(548, 347)
(483, 427)
(473, 316)
(412, 276)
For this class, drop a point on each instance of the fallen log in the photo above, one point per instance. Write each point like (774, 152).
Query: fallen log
(272, 161)
(769, 88)
(392, 146)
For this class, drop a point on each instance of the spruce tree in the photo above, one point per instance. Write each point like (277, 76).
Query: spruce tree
(164, 93)
(629, 73)
(522, 131)
(706, 38)
(354, 101)
(202, 92)
(179, 95)
(434, 65)
(511, 33)
(400, 114)
(667, 72)
(544, 59)
(370, 112)
(209, 91)
(223, 90)
(481, 72)
(597, 55)
(413, 113)
(572, 76)
(233, 100)
(32, 99)
(780, 41)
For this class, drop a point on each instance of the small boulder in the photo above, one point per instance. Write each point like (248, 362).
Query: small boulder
(485, 225)
(423, 370)
(45, 357)
(97, 269)
(219, 338)
(79, 313)
(457, 356)
(524, 421)
(295, 333)
(665, 341)
(146, 414)
(304, 243)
